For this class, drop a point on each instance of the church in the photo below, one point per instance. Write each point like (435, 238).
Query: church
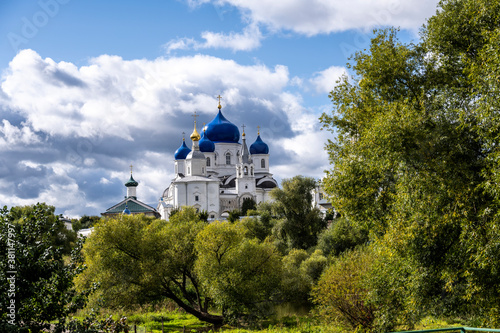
(218, 172)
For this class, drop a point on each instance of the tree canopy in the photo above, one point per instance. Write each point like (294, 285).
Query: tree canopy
(36, 279)
(415, 158)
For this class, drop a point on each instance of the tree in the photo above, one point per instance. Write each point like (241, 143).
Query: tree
(36, 283)
(341, 236)
(415, 156)
(241, 275)
(341, 293)
(138, 259)
(301, 222)
(248, 204)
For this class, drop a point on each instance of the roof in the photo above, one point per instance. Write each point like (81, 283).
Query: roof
(135, 206)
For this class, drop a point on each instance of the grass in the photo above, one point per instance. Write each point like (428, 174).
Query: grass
(149, 320)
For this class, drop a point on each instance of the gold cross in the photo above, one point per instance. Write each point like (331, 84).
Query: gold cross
(219, 97)
(131, 166)
(258, 130)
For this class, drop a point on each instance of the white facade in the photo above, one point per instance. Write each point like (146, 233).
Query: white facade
(218, 172)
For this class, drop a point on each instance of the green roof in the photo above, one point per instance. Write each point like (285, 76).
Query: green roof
(135, 207)
(131, 182)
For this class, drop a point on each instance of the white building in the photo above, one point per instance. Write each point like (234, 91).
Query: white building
(218, 173)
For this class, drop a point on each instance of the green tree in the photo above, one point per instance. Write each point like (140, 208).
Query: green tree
(137, 259)
(415, 150)
(241, 275)
(248, 204)
(341, 293)
(300, 272)
(300, 222)
(36, 279)
(342, 235)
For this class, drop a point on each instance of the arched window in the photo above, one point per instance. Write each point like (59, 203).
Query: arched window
(228, 158)
(208, 161)
(262, 163)
(245, 170)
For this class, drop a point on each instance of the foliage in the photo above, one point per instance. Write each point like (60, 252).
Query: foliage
(341, 293)
(248, 204)
(84, 222)
(416, 162)
(241, 275)
(34, 276)
(255, 227)
(300, 223)
(234, 215)
(341, 236)
(138, 259)
(300, 272)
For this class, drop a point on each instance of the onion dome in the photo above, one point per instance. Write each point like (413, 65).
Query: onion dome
(259, 147)
(182, 152)
(126, 211)
(195, 136)
(131, 182)
(206, 145)
(222, 130)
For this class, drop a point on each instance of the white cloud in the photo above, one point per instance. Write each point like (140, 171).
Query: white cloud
(12, 136)
(327, 16)
(325, 81)
(115, 97)
(250, 39)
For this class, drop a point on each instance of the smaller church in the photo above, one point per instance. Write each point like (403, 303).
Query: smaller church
(130, 205)
(218, 172)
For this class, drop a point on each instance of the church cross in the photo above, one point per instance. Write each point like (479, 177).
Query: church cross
(131, 166)
(194, 116)
(243, 126)
(258, 130)
(219, 97)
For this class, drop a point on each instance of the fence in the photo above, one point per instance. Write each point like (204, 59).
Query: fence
(461, 329)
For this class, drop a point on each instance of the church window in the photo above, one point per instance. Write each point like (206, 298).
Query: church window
(208, 161)
(246, 186)
(212, 216)
(262, 163)
(245, 170)
(196, 198)
(251, 171)
(228, 158)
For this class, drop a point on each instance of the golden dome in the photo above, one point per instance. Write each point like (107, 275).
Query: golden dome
(195, 136)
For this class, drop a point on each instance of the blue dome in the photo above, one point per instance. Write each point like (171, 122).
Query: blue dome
(222, 130)
(206, 145)
(127, 211)
(259, 147)
(182, 152)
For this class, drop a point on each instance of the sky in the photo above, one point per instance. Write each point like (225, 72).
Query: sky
(88, 88)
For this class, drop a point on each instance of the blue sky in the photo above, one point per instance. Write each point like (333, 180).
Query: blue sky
(89, 87)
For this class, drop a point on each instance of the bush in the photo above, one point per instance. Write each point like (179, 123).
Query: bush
(341, 293)
(341, 236)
